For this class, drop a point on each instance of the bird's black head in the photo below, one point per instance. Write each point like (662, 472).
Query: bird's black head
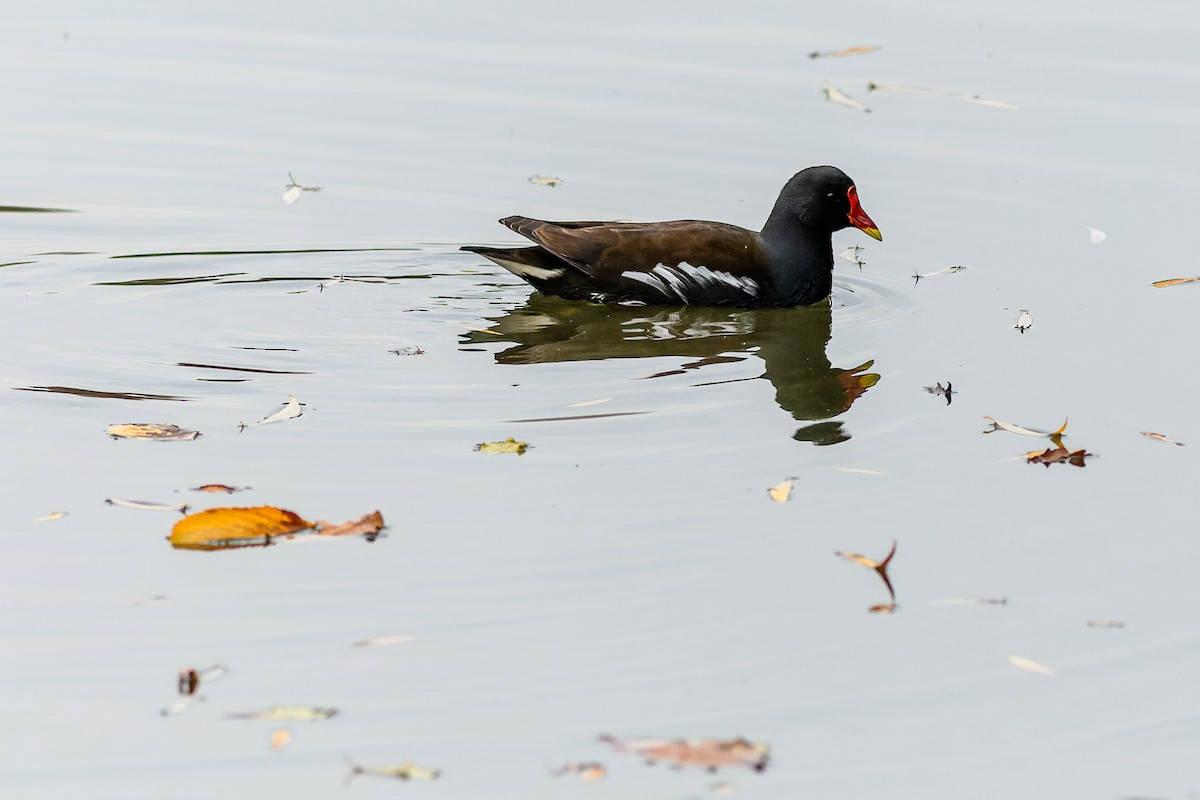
(825, 199)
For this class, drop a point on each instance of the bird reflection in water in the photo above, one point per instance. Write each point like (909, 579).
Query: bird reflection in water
(789, 341)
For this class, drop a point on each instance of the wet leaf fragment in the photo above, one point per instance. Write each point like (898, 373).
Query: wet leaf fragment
(942, 391)
(383, 641)
(509, 445)
(836, 95)
(280, 738)
(294, 190)
(405, 771)
(780, 492)
(291, 410)
(150, 430)
(220, 528)
(1032, 666)
(588, 771)
(288, 714)
(1160, 437)
(1174, 282)
(367, 525)
(710, 754)
(147, 505)
(545, 180)
(849, 51)
(880, 567)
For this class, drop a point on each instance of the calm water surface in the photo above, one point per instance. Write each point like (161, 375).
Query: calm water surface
(628, 574)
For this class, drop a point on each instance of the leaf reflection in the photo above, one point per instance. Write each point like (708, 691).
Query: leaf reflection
(790, 342)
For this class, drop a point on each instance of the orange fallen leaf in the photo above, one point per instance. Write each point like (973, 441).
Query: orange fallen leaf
(1174, 282)
(219, 528)
(368, 524)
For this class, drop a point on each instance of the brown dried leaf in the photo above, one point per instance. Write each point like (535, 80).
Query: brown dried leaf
(214, 488)
(1058, 455)
(1174, 282)
(368, 524)
(710, 754)
(1160, 437)
(219, 528)
(150, 430)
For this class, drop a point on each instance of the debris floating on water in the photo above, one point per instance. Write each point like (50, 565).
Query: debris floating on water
(290, 411)
(588, 771)
(1160, 437)
(1174, 282)
(404, 771)
(780, 492)
(942, 391)
(1024, 321)
(1032, 666)
(836, 95)
(849, 51)
(288, 714)
(146, 505)
(545, 180)
(509, 445)
(1105, 623)
(295, 190)
(880, 567)
(150, 430)
(1096, 235)
(53, 515)
(710, 754)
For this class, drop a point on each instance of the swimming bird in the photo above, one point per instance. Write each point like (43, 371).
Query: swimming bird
(693, 262)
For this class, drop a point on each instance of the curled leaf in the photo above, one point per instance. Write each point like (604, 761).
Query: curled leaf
(220, 528)
(1174, 282)
(367, 525)
(1160, 437)
(1058, 455)
(290, 411)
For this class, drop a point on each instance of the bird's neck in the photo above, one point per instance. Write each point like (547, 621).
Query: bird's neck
(801, 258)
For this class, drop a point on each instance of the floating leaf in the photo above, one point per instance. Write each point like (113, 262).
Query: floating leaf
(942, 391)
(219, 528)
(917, 276)
(1058, 455)
(1105, 623)
(882, 608)
(880, 567)
(295, 190)
(589, 403)
(411, 350)
(964, 97)
(709, 754)
(367, 525)
(288, 714)
(1174, 282)
(836, 95)
(1160, 437)
(405, 771)
(214, 488)
(383, 641)
(1096, 235)
(780, 492)
(53, 515)
(509, 445)
(545, 180)
(849, 51)
(146, 505)
(1024, 321)
(1001, 425)
(150, 430)
(1031, 666)
(280, 738)
(588, 771)
(290, 411)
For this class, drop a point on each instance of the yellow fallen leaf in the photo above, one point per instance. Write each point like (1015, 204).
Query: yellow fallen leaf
(781, 491)
(1174, 282)
(150, 430)
(218, 528)
(1032, 666)
(509, 445)
(53, 515)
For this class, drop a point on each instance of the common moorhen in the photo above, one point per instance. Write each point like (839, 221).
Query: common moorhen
(692, 262)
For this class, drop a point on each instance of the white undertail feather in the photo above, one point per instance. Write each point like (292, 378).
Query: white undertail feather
(674, 281)
(527, 270)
